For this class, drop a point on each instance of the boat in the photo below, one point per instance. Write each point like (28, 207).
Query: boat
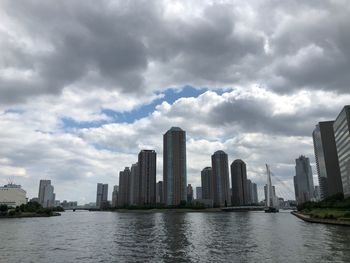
(271, 200)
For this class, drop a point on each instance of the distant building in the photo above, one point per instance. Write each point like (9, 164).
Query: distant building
(12, 195)
(134, 184)
(254, 191)
(124, 186)
(326, 157)
(69, 204)
(115, 196)
(303, 182)
(317, 193)
(46, 194)
(34, 199)
(249, 192)
(159, 190)
(174, 166)
(101, 195)
(189, 193)
(198, 192)
(220, 173)
(207, 183)
(147, 161)
(341, 128)
(239, 183)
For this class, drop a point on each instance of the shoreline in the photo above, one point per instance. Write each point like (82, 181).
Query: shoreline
(30, 215)
(165, 210)
(307, 218)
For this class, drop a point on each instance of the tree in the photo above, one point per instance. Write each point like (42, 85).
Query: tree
(3, 209)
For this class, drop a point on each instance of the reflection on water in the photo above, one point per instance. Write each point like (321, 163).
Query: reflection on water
(171, 237)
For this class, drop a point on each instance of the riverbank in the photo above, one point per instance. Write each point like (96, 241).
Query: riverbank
(27, 215)
(310, 219)
(165, 210)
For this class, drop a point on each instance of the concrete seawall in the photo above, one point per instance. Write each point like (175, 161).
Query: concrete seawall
(307, 218)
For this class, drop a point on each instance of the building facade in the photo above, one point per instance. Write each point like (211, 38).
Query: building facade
(189, 193)
(207, 183)
(221, 183)
(198, 192)
(101, 195)
(135, 188)
(174, 166)
(46, 194)
(124, 186)
(147, 161)
(303, 179)
(115, 196)
(160, 199)
(255, 198)
(239, 183)
(341, 128)
(326, 157)
(12, 195)
(249, 192)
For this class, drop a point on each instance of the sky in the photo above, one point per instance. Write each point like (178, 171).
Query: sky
(85, 86)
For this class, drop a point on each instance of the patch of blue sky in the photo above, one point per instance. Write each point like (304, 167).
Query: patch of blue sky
(17, 111)
(170, 95)
(70, 124)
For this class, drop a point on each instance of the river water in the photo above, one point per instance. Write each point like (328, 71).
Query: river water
(171, 237)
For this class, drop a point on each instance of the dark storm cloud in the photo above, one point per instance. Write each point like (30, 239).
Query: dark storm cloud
(255, 115)
(283, 46)
(80, 39)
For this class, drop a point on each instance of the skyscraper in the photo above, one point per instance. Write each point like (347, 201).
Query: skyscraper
(303, 180)
(198, 192)
(124, 187)
(326, 157)
(134, 191)
(221, 179)
(189, 193)
(255, 198)
(46, 194)
(249, 192)
(174, 166)
(101, 195)
(159, 191)
(341, 128)
(115, 196)
(147, 160)
(239, 183)
(207, 183)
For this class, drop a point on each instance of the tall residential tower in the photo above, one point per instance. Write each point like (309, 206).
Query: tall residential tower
(341, 128)
(207, 183)
(101, 195)
(221, 186)
(303, 182)
(147, 160)
(239, 183)
(174, 166)
(46, 194)
(327, 159)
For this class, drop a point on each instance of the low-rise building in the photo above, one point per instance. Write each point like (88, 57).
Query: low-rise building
(12, 195)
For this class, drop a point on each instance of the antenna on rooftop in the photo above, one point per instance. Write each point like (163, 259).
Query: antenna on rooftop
(10, 180)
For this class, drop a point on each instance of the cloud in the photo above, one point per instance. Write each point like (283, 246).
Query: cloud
(272, 70)
(140, 48)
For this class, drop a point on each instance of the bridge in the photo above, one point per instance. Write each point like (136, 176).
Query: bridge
(242, 208)
(81, 208)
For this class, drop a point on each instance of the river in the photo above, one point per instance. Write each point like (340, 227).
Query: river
(171, 237)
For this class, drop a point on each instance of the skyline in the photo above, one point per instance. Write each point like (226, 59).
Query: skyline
(80, 97)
